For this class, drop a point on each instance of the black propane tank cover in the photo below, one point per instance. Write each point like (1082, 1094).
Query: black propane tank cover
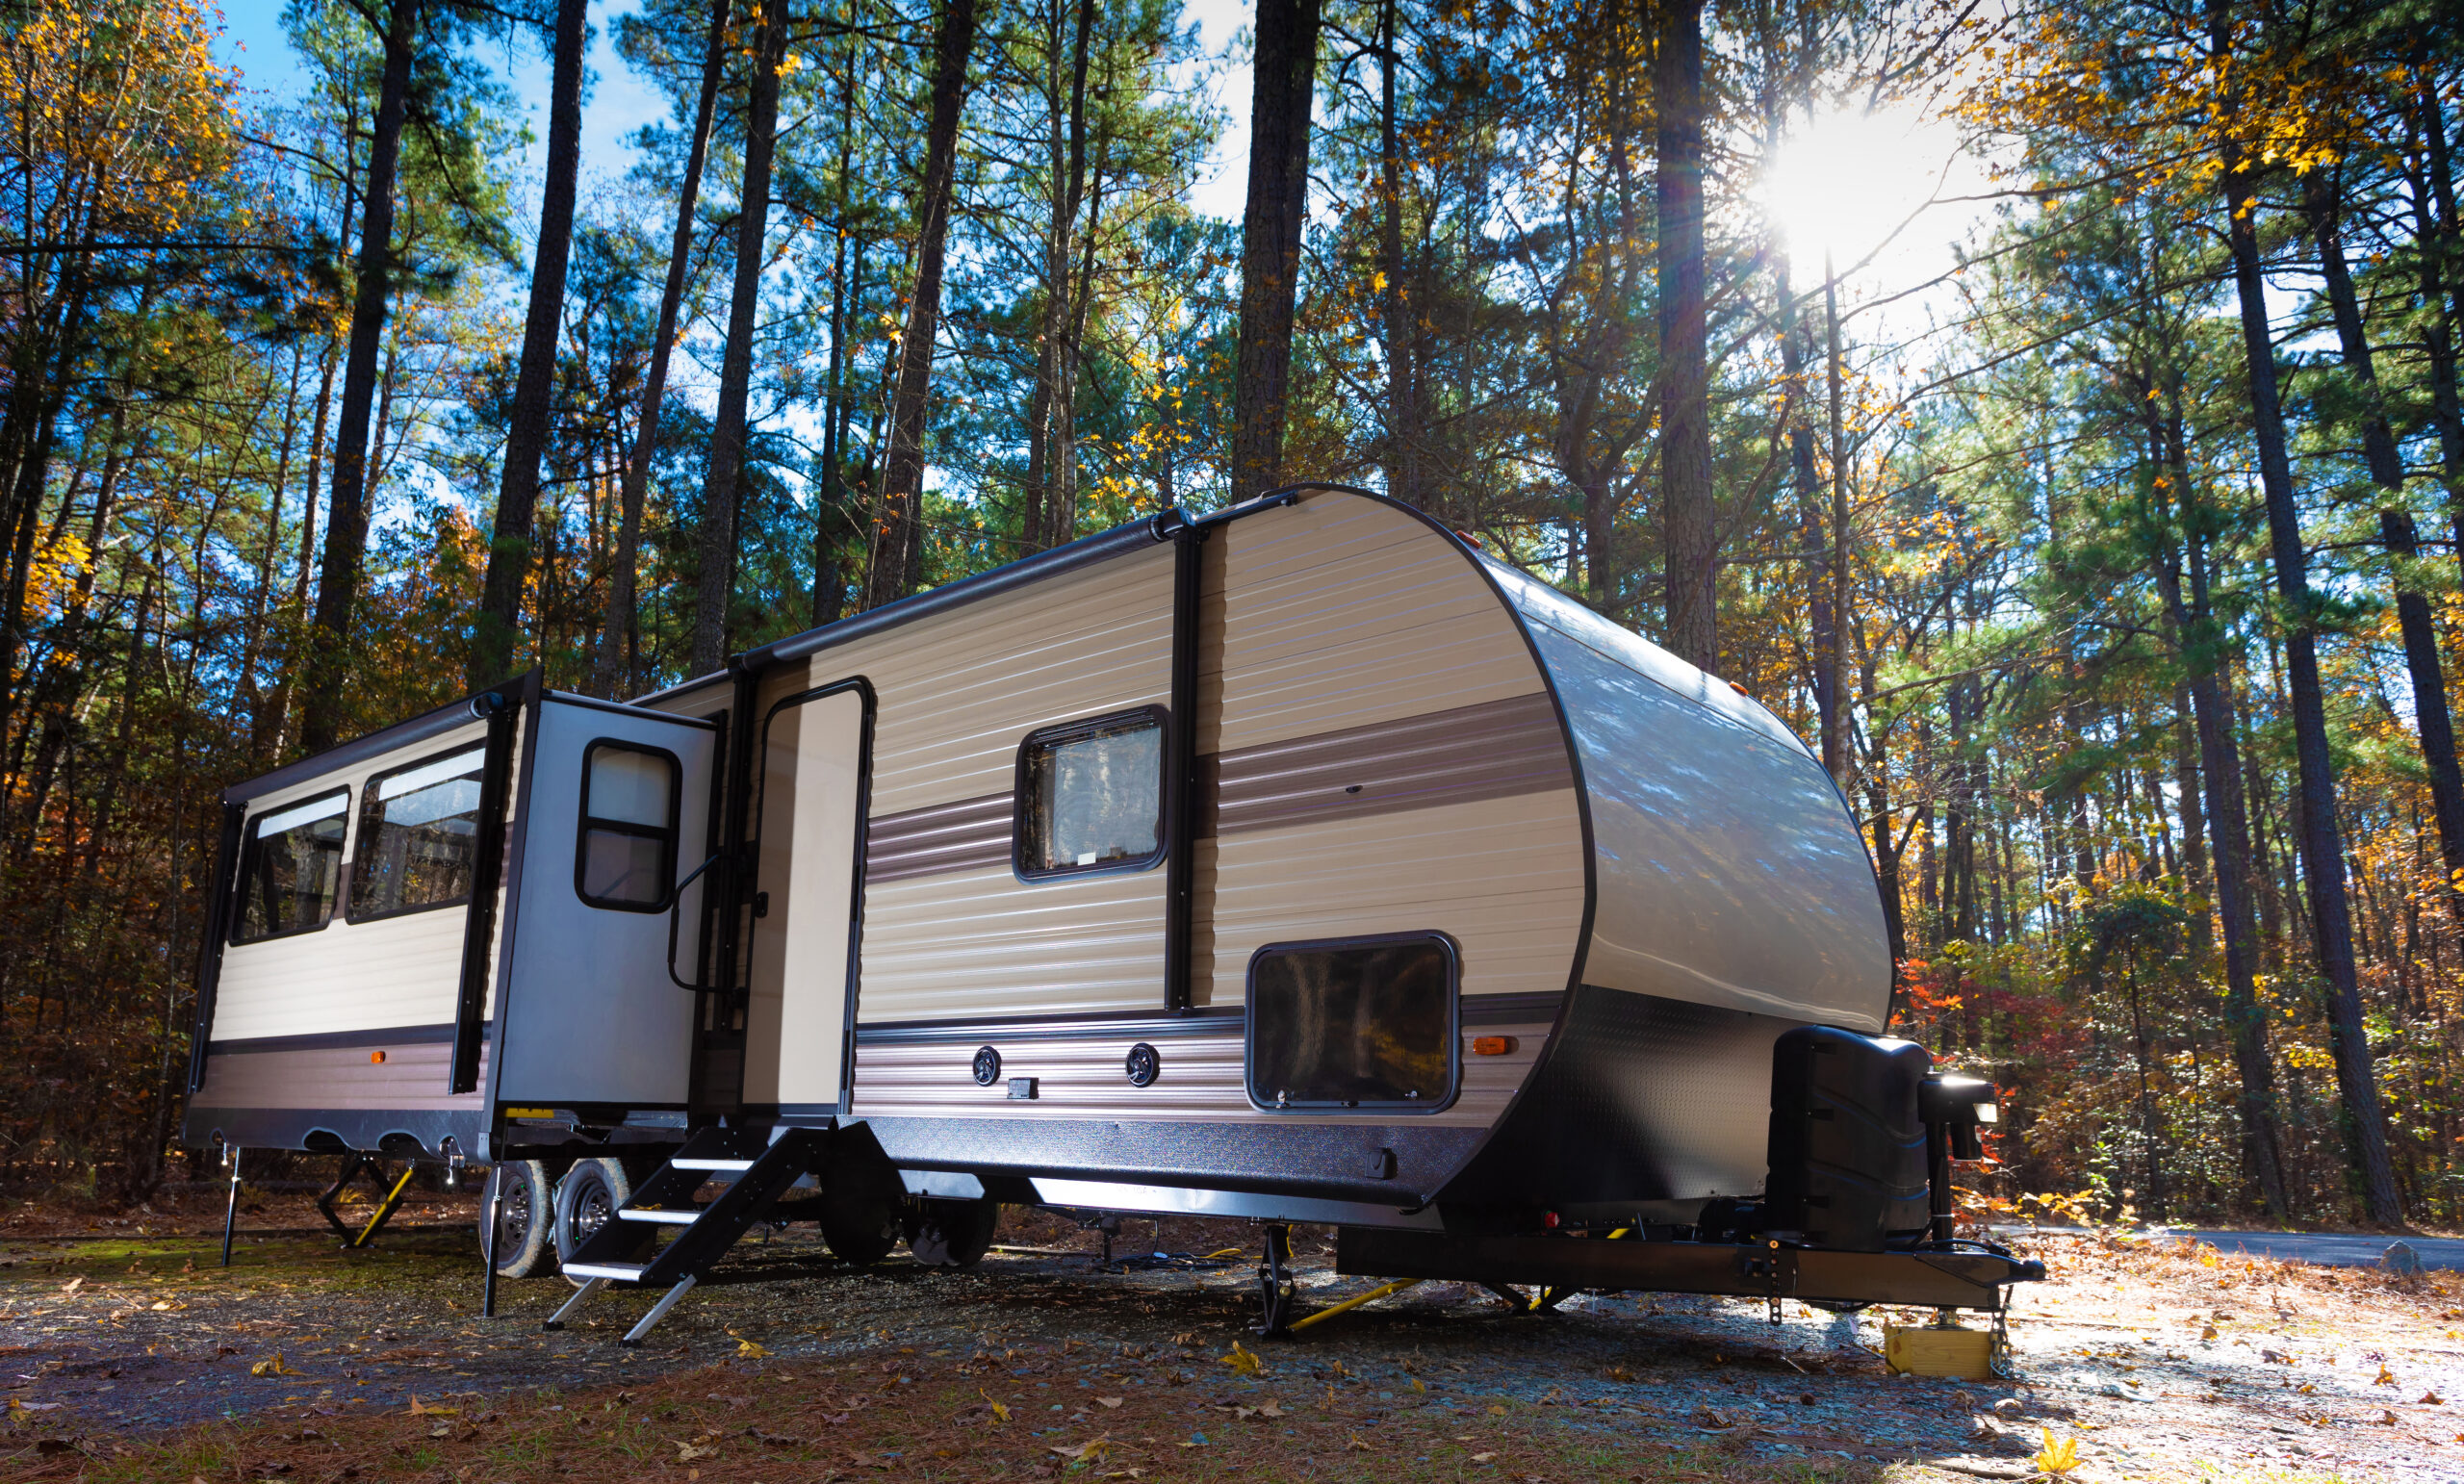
(1847, 1149)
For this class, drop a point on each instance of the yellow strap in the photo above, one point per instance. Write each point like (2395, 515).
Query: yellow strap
(1355, 1302)
(386, 1204)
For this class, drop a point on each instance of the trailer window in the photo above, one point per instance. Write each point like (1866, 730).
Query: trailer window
(1091, 796)
(289, 869)
(419, 836)
(1359, 1021)
(628, 854)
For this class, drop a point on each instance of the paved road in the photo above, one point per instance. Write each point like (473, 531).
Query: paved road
(2328, 1249)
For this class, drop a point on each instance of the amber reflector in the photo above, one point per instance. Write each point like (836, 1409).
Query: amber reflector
(375, 1057)
(1492, 1046)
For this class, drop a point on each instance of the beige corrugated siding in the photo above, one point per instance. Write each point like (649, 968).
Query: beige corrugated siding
(1338, 612)
(1342, 612)
(410, 1079)
(957, 693)
(984, 943)
(1503, 876)
(398, 971)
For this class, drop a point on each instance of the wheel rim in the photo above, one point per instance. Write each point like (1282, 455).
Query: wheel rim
(592, 1210)
(514, 1217)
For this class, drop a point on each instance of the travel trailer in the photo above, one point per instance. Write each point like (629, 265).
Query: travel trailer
(1296, 863)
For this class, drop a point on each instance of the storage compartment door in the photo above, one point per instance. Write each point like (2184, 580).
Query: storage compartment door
(808, 851)
(616, 811)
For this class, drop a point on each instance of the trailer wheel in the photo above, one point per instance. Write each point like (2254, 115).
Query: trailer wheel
(587, 1200)
(523, 1203)
(859, 1224)
(952, 1233)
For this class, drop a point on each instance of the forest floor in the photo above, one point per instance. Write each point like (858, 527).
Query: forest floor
(126, 1353)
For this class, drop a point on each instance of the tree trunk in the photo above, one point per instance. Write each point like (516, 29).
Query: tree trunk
(1052, 475)
(1687, 512)
(525, 441)
(2228, 832)
(831, 522)
(1279, 103)
(898, 545)
(1834, 739)
(346, 510)
(723, 483)
(609, 663)
(2321, 835)
(1397, 319)
(2386, 467)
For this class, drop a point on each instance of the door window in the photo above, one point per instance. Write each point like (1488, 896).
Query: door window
(419, 836)
(289, 866)
(626, 860)
(1091, 796)
(1353, 1022)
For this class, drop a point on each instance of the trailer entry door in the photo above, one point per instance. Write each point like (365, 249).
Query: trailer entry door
(615, 812)
(813, 757)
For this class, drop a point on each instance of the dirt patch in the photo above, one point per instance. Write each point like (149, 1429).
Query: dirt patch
(139, 1358)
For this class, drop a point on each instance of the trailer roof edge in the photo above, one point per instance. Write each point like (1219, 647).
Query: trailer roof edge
(444, 718)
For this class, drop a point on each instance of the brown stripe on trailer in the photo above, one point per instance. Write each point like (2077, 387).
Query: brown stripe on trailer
(966, 836)
(1494, 750)
(1491, 750)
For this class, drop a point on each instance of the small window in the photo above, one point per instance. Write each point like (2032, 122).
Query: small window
(1091, 796)
(628, 854)
(1351, 1023)
(289, 867)
(419, 836)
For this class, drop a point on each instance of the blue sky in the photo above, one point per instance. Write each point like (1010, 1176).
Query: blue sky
(621, 101)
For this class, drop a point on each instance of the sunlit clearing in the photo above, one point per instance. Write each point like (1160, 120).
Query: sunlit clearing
(1848, 184)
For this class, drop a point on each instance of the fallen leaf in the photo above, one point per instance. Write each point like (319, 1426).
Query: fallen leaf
(1418, 1386)
(1482, 1458)
(2057, 1458)
(2386, 1377)
(1356, 1443)
(1620, 1374)
(1093, 1450)
(2209, 1333)
(2432, 1400)
(687, 1452)
(1108, 1401)
(271, 1367)
(1241, 1361)
(441, 1431)
(1269, 1408)
(1712, 1419)
(746, 1349)
(74, 1284)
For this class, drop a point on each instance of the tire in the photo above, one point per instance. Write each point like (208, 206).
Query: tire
(952, 1233)
(859, 1223)
(523, 1206)
(587, 1200)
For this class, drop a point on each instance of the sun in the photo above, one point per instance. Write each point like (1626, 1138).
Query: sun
(1868, 187)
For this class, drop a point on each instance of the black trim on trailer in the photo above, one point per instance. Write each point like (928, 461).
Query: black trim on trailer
(218, 932)
(350, 867)
(478, 931)
(439, 1035)
(1081, 552)
(1101, 1025)
(530, 700)
(670, 836)
(1024, 797)
(863, 691)
(351, 753)
(1181, 775)
(727, 885)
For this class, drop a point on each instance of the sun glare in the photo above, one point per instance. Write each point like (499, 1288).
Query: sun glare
(1849, 184)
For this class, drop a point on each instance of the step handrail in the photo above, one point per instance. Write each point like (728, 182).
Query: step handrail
(675, 915)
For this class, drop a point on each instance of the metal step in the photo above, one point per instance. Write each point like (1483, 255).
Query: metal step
(689, 1214)
(738, 1166)
(620, 1272)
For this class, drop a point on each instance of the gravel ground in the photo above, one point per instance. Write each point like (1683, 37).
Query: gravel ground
(2163, 1360)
